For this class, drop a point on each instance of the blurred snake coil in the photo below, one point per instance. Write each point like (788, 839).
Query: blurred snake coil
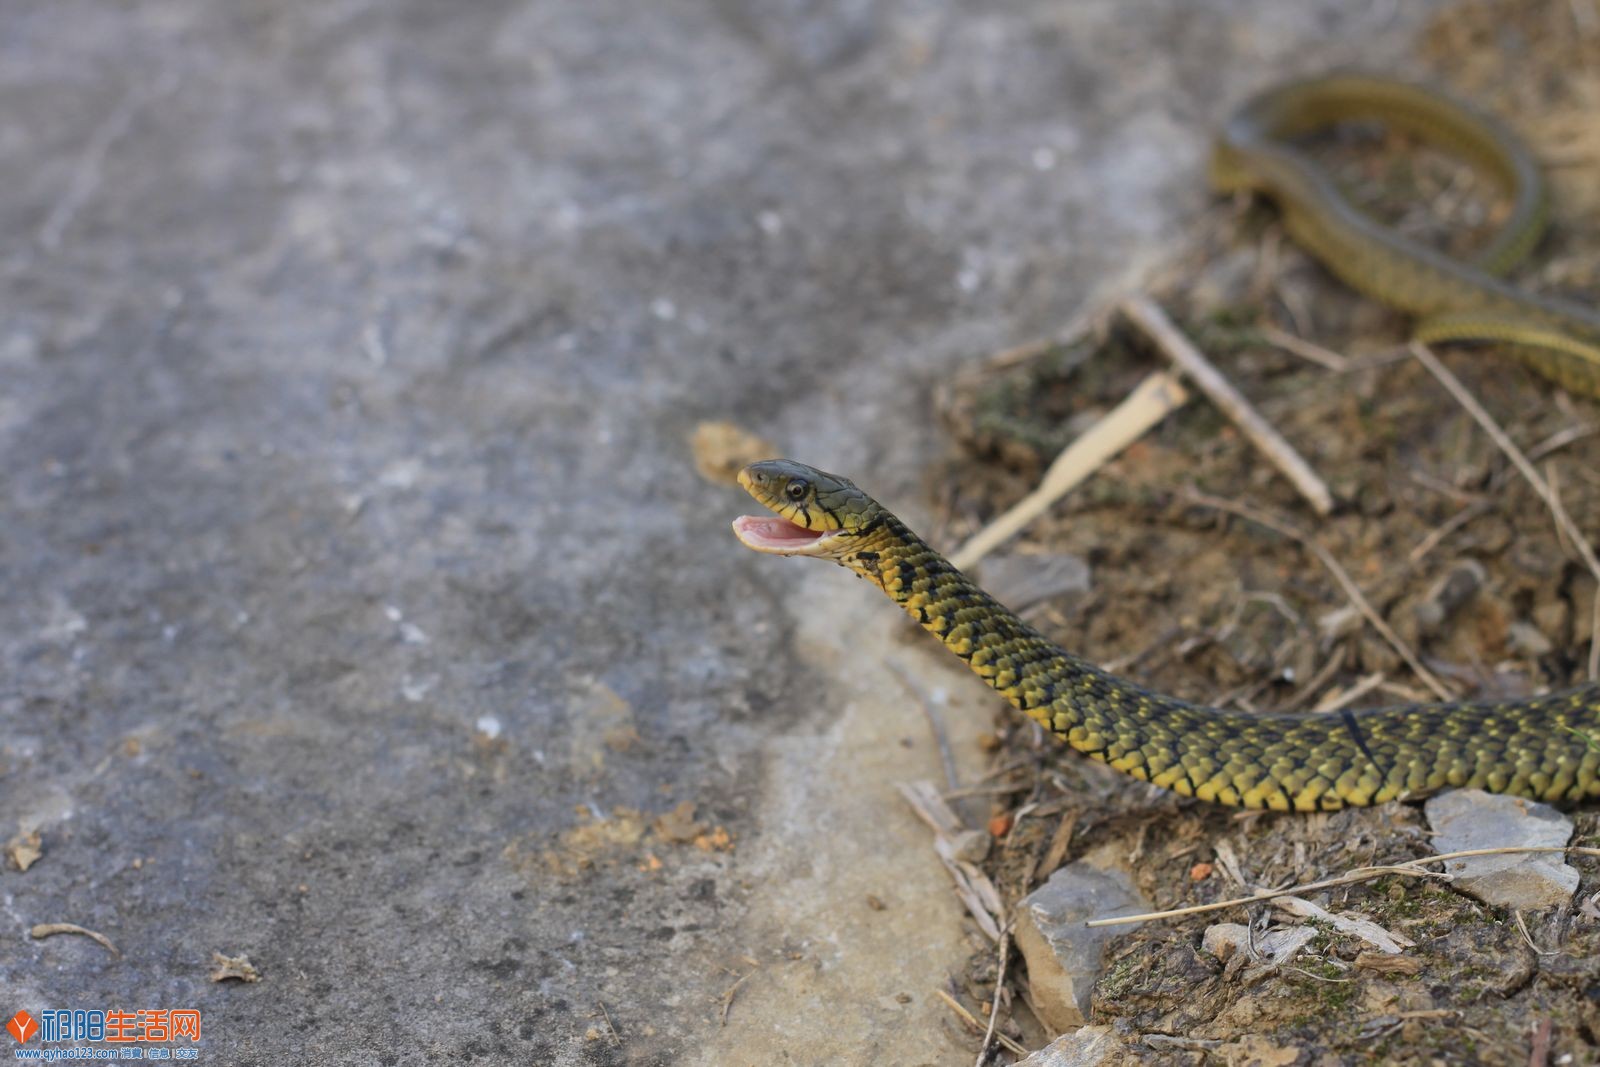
(1454, 301)
(1545, 747)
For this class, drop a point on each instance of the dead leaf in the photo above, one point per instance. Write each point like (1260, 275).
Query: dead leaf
(721, 449)
(24, 849)
(236, 967)
(678, 825)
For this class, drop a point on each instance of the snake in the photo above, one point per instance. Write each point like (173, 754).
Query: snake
(1453, 300)
(1544, 747)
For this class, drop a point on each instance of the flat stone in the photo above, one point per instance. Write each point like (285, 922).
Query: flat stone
(1222, 940)
(1087, 1046)
(1273, 947)
(1470, 818)
(1063, 954)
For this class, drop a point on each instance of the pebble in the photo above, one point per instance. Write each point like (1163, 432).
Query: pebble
(1447, 595)
(1088, 1046)
(1470, 818)
(1272, 947)
(1526, 640)
(1063, 954)
(971, 845)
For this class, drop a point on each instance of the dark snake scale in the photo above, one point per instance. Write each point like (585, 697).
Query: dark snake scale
(1546, 747)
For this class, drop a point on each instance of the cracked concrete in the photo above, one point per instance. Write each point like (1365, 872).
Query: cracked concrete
(362, 608)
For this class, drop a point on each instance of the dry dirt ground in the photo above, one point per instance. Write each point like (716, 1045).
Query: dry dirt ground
(1454, 549)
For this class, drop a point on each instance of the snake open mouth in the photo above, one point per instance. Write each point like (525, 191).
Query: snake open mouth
(778, 536)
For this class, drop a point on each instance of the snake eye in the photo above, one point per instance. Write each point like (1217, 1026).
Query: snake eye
(797, 489)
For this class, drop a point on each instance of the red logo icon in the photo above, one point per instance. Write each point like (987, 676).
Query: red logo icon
(22, 1026)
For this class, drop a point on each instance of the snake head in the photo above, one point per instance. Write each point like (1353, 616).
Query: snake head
(815, 513)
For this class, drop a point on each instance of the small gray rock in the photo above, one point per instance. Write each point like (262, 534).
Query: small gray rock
(1020, 581)
(1446, 596)
(1088, 1046)
(1470, 818)
(1063, 954)
(1525, 639)
(1222, 940)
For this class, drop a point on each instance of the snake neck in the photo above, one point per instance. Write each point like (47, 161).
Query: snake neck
(1029, 670)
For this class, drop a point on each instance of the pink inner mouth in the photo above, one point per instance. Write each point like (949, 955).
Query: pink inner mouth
(768, 533)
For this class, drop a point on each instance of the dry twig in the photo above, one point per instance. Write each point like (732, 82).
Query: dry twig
(1299, 346)
(616, 1038)
(1410, 868)
(1522, 925)
(1340, 575)
(727, 998)
(1502, 440)
(977, 892)
(974, 1025)
(1335, 701)
(1167, 337)
(994, 1005)
(1323, 675)
(1060, 841)
(1385, 941)
(43, 930)
(1446, 528)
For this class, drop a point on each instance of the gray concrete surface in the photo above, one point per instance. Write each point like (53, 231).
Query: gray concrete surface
(352, 570)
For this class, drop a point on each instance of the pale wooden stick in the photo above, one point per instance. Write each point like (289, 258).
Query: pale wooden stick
(972, 1022)
(1305, 349)
(999, 985)
(1351, 695)
(1452, 384)
(1411, 868)
(973, 887)
(1151, 401)
(1167, 337)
